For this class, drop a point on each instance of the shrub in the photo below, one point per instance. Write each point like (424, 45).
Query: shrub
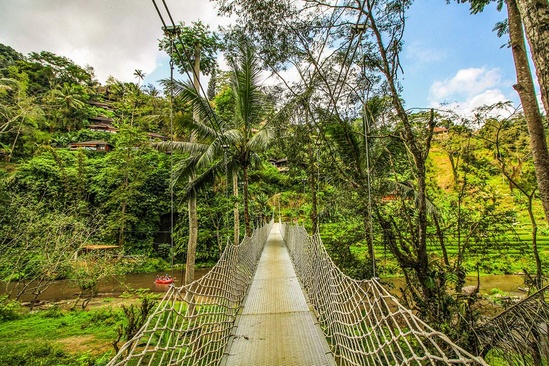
(52, 312)
(150, 265)
(33, 354)
(9, 309)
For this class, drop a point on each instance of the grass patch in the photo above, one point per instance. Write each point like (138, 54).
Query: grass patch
(56, 337)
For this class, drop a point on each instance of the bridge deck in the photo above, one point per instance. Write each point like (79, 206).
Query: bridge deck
(276, 326)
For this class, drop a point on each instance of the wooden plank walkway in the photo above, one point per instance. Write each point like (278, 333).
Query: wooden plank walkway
(276, 326)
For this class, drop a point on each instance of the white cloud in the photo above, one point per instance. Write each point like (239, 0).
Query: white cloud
(115, 37)
(466, 82)
(469, 89)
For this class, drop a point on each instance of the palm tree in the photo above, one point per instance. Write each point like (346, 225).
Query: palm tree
(234, 144)
(67, 102)
(140, 75)
(251, 107)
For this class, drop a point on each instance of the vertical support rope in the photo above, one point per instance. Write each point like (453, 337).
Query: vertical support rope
(172, 183)
(369, 184)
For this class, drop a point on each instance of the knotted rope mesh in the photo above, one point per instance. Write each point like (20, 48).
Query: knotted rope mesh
(519, 335)
(192, 324)
(363, 323)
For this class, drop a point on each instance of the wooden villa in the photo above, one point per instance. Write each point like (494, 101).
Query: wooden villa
(102, 124)
(95, 145)
(153, 136)
(103, 105)
(280, 164)
(103, 249)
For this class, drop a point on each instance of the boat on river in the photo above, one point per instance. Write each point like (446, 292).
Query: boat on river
(164, 281)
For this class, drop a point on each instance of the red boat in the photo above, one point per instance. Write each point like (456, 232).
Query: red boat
(164, 281)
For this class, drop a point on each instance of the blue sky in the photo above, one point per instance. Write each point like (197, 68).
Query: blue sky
(449, 55)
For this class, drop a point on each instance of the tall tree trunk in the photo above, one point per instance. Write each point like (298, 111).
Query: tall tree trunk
(193, 216)
(527, 95)
(193, 238)
(236, 215)
(246, 202)
(535, 17)
(419, 155)
(121, 236)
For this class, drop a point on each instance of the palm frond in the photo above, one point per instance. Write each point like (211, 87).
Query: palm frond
(193, 148)
(209, 123)
(246, 88)
(233, 136)
(348, 144)
(183, 169)
(261, 140)
(205, 179)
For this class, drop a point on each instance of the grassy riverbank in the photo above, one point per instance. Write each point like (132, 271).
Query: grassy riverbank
(58, 336)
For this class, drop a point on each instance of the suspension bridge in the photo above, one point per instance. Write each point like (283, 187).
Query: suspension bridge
(278, 299)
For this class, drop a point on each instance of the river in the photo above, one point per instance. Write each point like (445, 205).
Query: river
(111, 287)
(505, 283)
(114, 287)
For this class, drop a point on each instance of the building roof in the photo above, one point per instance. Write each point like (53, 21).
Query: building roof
(92, 142)
(440, 130)
(101, 105)
(101, 119)
(99, 246)
(156, 136)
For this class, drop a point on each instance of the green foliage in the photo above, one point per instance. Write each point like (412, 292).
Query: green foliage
(23, 338)
(339, 240)
(151, 265)
(52, 312)
(38, 243)
(135, 317)
(62, 69)
(188, 38)
(9, 309)
(35, 354)
(8, 56)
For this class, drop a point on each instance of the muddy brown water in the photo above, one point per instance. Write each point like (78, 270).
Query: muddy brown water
(112, 286)
(505, 283)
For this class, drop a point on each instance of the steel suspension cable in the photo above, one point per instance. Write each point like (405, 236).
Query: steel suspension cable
(186, 59)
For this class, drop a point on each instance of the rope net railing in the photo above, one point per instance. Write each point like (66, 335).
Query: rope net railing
(520, 334)
(363, 323)
(192, 324)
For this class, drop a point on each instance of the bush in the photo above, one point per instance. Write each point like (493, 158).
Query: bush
(9, 309)
(33, 354)
(46, 354)
(338, 240)
(150, 265)
(105, 315)
(52, 312)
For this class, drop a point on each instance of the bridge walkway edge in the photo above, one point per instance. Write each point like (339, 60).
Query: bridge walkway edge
(276, 325)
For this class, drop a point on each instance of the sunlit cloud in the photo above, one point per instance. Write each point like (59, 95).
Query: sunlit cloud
(466, 82)
(468, 90)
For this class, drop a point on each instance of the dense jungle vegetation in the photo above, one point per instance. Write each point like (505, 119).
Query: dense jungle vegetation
(423, 194)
